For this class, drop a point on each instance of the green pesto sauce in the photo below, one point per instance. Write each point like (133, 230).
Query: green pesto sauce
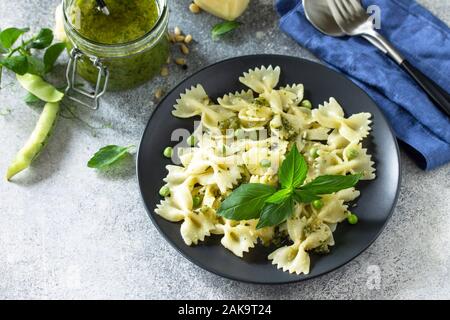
(128, 20)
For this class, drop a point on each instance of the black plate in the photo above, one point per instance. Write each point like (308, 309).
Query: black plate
(378, 197)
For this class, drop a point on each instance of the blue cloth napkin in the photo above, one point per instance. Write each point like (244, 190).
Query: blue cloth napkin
(422, 38)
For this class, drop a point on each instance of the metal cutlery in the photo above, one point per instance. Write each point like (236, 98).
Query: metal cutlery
(352, 20)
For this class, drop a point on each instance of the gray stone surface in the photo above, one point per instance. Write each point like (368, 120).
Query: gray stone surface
(69, 232)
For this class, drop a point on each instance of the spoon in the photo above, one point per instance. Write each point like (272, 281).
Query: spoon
(319, 15)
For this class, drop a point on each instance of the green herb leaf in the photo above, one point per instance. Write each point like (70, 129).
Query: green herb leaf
(223, 28)
(2, 49)
(108, 155)
(42, 40)
(293, 170)
(274, 214)
(279, 196)
(51, 55)
(17, 64)
(246, 202)
(330, 184)
(305, 196)
(9, 36)
(31, 98)
(35, 66)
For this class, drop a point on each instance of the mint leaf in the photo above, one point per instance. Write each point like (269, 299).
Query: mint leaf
(17, 64)
(42, 40)
(245, 202)
(107, 156)
(330, 184)
(293, 170)
(274, 214)
(10, 35)
(304, 196)
(223, 28)
(279, 196)
(51, 55)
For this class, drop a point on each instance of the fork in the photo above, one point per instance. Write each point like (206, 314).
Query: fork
(354, 21)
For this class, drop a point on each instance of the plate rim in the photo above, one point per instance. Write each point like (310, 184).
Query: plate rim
(150, 211)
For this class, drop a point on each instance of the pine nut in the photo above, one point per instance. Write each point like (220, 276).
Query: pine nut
(180, 61)
(194, 8)
(179, 38)
(164, 71)
(188, 39)
(184, 49)
(177, 31)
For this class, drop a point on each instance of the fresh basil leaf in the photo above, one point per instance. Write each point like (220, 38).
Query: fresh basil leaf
(17, 64)
(10, 35)
(223, 28)
(274, 214)
(279, 196)
(293, 170)
(42, 40)
(305, 196)
(108, 155)
(245, 202)
(31, 98)
(35, 66)
(330, 184)
(51, 55)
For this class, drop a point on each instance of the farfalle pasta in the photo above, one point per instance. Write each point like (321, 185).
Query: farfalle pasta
(244, 138)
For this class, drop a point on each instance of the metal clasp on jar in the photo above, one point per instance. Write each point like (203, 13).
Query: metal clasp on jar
(103, 77)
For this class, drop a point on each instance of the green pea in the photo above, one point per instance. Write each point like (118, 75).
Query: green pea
(36, 142)
(314, 152)
(191, 141)
(317, 204)
(168, 152)
(265, 163)
(196, 201)
(306, 104)
(352, 218)
(164, 191)
(352, 154)
(41, 89)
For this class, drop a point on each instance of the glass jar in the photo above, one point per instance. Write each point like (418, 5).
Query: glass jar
(115, 52)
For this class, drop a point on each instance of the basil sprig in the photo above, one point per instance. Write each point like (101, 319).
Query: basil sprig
(273, 206)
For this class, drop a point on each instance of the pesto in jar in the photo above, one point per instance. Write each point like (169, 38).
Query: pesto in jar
(129, 41)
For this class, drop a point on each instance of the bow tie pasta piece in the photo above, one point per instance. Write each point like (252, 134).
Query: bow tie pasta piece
(239, 236)
(261, 79)
(331, 115)
(298, 90)
(191, 103)
(197, 225)
(336, 141)
(334, 210)
(213, 115)
(292, 259)
(169, 211)
(348, 195)
(236, 101)
(253, 116)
